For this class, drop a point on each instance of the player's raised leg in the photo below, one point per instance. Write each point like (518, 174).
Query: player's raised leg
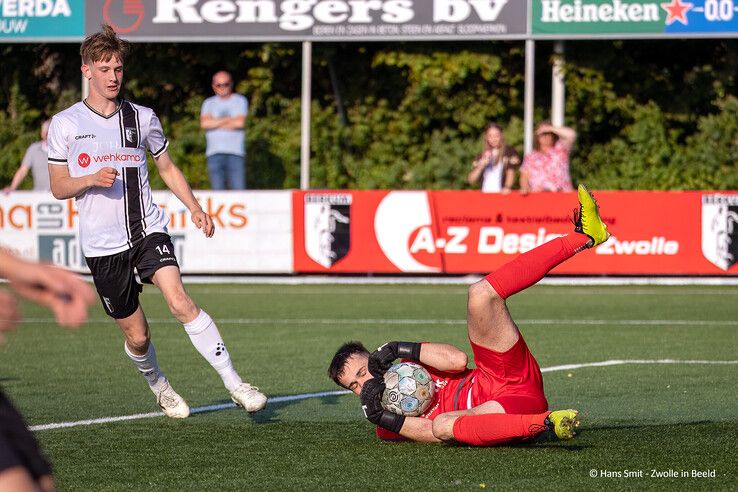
(140, 350)
(206, 338)
(489, 322)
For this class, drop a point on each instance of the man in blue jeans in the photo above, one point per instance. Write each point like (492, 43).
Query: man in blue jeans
(223, 117)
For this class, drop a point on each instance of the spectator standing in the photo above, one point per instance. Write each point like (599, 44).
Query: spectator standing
(547, 167)
(496, 163)
(223, 117)
(36, 160)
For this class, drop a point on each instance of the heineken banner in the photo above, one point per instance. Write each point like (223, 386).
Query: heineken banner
(639, 18)
(41, 20)
(285, 20)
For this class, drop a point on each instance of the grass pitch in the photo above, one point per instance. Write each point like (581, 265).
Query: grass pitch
(646, 425)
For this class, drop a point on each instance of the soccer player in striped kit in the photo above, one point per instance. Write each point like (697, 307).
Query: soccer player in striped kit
(97, 155)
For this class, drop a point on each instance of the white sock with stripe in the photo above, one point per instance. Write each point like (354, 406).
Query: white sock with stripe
(148, 367)
(207, 340)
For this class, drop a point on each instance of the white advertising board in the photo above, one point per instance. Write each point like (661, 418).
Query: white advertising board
(253, 231)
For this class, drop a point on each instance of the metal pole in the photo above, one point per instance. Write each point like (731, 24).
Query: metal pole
(558, 89)
(307, 52)
(530, 64)
(85, 87)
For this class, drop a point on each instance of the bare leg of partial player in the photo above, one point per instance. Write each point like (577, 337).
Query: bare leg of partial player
(17, 479)
(206, 338)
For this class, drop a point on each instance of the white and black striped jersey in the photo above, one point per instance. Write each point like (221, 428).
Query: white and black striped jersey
(112, 219)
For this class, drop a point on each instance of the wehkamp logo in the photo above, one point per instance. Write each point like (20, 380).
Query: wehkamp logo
(84, 159)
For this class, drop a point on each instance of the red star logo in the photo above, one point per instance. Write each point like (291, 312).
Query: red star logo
(676, 11)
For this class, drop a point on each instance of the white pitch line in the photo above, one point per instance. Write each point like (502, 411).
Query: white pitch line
(411, 321)
(448, 280)
(620, 362)
(305, 396)
(727, 280)
(206, 408)
(445, 291)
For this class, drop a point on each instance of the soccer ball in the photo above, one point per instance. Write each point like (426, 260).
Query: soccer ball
(409, 389)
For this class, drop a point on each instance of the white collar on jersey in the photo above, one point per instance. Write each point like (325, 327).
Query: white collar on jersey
(117, 108)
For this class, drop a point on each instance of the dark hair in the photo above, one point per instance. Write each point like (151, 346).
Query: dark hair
(103, 45)
(338, 364)
(536, 143)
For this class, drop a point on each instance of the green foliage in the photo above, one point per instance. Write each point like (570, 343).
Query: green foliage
(650, 115)
(15, 134)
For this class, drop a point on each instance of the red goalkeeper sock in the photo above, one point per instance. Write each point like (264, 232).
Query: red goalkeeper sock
(493, 429)
(532, 266)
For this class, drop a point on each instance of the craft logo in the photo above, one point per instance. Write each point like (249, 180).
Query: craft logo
(720, 230)
(327, 227)
(124, 15)
(83, 160)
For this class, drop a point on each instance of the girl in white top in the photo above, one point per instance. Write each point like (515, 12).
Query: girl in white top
(496, 163)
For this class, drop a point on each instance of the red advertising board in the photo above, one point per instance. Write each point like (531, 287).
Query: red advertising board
(654, 233)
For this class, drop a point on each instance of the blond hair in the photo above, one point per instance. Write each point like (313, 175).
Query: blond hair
(103, 46)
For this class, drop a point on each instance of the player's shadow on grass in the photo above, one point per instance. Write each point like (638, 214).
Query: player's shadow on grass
(647, 426)
(268, 414)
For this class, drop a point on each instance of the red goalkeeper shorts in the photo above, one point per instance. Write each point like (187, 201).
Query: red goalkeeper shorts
(511, 378)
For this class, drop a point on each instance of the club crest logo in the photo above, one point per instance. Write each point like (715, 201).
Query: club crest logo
(131, 135)
(123, 16)
(327, 227)
(720, 230)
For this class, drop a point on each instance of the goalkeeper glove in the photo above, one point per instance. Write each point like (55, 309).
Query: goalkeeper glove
(381, 359)
(371, 403)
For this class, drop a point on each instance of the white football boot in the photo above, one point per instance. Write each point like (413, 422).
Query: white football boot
(248, 397)
(173, 405)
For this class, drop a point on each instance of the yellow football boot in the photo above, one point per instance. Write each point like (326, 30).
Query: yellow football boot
(588, 220)
(564, 423)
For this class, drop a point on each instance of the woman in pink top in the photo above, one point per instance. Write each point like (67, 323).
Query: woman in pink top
(547, 167)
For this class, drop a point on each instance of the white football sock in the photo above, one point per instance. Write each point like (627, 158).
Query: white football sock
(206, 339)
(148, 367)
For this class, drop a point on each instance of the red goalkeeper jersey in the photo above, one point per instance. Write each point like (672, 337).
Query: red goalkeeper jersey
(512, 378)
(452, 393)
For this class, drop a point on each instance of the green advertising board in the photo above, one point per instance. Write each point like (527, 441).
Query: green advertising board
(588, 17)
(41, 20)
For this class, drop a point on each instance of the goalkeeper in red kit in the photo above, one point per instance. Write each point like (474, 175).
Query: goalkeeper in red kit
(502, 399)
